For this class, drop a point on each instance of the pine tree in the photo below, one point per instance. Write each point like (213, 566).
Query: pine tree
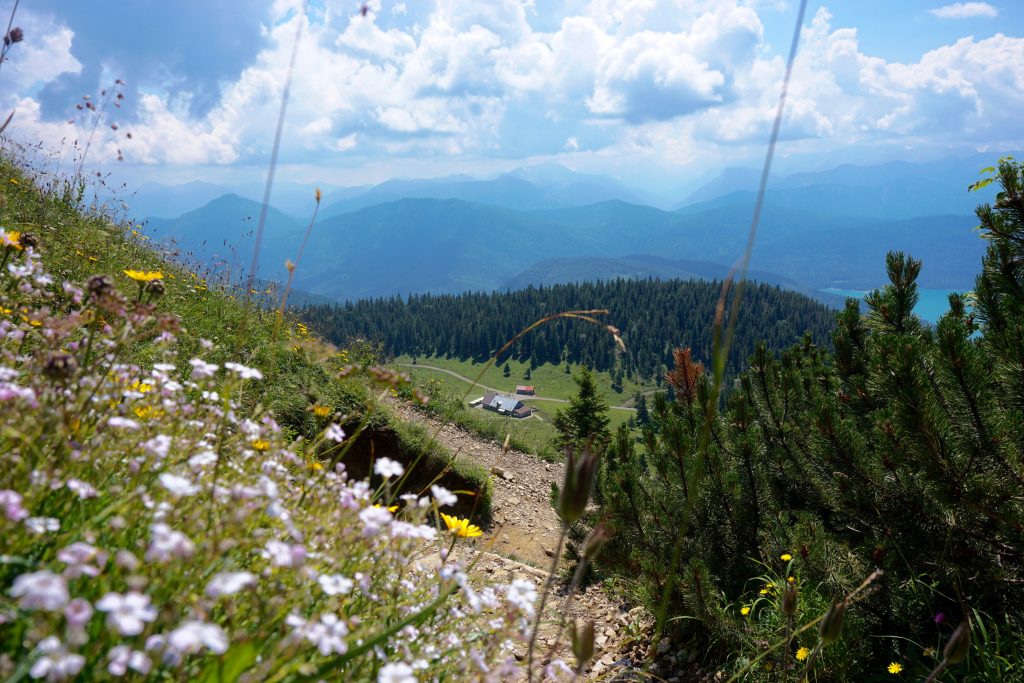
(586, 418)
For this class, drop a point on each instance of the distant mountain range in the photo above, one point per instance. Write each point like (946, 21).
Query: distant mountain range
(547, 224)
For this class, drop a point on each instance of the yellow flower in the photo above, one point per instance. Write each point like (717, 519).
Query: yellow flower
(802, 654)
(144, 275)
(744, 611)
(12, 238)
(786, 557)
(260, 445)
(763, 591)
(321, 411)
(141, 387)
(791, 579)
(146, 412)
(315, 466)
(391, 508)
(461, 527)
(14, 182)
(895, 668)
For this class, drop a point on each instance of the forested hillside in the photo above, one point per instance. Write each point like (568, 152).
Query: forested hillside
(654, 317)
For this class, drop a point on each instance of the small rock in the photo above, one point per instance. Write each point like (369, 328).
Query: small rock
(549, 552)
(497, 471)
(664, 645)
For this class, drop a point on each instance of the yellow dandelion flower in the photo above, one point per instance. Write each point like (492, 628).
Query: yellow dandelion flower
(763, 591)
(12, 239)
(744, 611)
(14, 182)
(144, 275)
(802, 654)
(147, 412)
(321, 411)
(895, 668)
(461, 527)
(391, 508)
(786, 557)
(791, 579)
(315, 466)
(260, 445)
(141, 387)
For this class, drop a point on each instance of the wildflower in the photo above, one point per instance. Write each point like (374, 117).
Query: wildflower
(144, 276)
(335, 584)
(42, 525)
(11, 239)
(60, 366)
(284, 555)
(127, 613)
(786, 557)
(387, 468)
(744, 611)
(374, 519)
(396, 673)
(178, 486)
(583, 643)
(328, 635)
(40, 590)
(193, 636)
(56, 663)
(100, 285)
(78, 612)
(579, 480)
(895, 668)
(790, 579)
(959, 644)
(831, 626)
(123, 658)
(159, 446)
(260, 445)
(443, 496)
(321, 411)
(201, 369)
(201, 460)
(10, 502)
(167, 544)
(229, 583)
(522, 594)
(82, 489)
(123, 423)
(802, 654)
(334, 433)
(78, 557)
(243, 371)
(461, 527)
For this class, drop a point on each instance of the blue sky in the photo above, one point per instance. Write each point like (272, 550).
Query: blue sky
(655, 92)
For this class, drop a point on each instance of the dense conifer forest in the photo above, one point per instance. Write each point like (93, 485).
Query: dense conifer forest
(654, 317)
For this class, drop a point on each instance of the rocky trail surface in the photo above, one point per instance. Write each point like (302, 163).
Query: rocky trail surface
(521, 543)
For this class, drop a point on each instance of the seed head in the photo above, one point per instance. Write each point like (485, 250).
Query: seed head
(583, 643)
(595, 541)
(100, 285)
(16, 35)
(959, 643)
(579, 480)
(831, 627)
(60, 366)
(155, 288)
(789, 600)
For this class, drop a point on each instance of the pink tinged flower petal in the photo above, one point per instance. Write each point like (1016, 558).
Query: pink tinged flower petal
(386, 467)
(127, 613)
(229, 583)
(41, 590)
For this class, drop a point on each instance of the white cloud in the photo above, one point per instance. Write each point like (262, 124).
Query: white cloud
(44, 55)
(965, 10)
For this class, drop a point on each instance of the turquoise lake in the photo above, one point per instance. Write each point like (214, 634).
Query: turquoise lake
(932, 303)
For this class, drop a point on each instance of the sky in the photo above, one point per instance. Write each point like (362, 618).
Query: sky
(653, 92)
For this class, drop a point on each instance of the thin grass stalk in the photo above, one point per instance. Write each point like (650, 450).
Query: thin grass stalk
(721, 348)
(295, 266)
(6, 48)
(264, 209)
(544, 600)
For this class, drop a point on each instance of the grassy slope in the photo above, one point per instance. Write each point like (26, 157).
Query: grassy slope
(533, 435)
(76, 245)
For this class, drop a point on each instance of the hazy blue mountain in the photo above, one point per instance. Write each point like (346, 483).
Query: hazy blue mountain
(731, 179)
(223, 231)
(298, 199)
(156, 199)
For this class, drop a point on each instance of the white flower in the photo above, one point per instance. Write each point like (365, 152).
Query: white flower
(40, 590)
(168, 544)
(400, 529)
(10, 501)
(122, 423)
(178, 486)
(334, 433)
(80, 557)
(78, 612)
(56, 663)
(82, 489)
(522, 594)
(127, 613)
(123, 658)
(192, 636)
(243, 371)
(328, 635)
(41, 525)
(374, 519)
(396, 673)
(386, 467)
(335, 584)
(159, 446)
(229, 583)
(284, 555)
(201, 460)
(201, 369)
(443, 496)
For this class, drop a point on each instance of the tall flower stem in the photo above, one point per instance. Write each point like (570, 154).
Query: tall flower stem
(544, 599)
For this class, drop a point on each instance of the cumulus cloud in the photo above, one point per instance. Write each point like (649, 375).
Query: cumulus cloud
(476, 77)
(965, 10)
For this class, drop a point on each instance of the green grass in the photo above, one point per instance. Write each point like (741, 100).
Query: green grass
(550, 381)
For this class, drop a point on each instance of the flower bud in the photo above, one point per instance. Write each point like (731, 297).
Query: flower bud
(100, 285)
(155, 288)
(16, 35)
(959, 643)
(60, 367)
(579, 479)
(789, 600)
(595, 541)
(583, 643)
(831, 627)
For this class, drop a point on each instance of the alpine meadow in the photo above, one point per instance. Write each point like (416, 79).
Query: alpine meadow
(496, 340)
